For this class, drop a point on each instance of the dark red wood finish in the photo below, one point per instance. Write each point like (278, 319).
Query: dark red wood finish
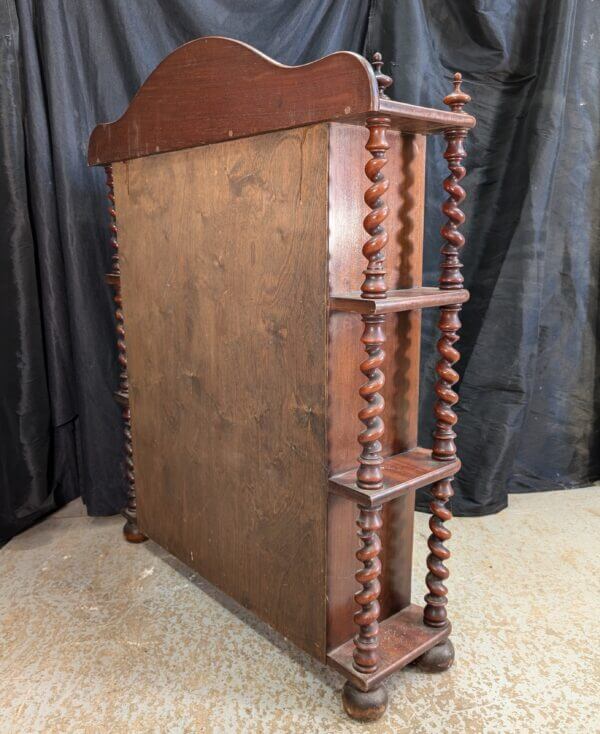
(215, 89)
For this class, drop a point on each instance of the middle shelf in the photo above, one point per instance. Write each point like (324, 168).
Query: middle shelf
(407, 299)
(402, 473)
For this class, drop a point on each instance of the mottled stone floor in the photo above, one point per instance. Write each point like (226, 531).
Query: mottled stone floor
(97, 635)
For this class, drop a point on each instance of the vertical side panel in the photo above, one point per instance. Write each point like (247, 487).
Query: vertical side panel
(404, 253)
(224, 280)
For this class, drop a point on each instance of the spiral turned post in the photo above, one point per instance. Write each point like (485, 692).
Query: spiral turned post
(369, 474)
(130, 530)
(451, 277)
(435, 614)
(444, 448)
(366, 641)
(374, 285)
(370, 704)
(370, 469)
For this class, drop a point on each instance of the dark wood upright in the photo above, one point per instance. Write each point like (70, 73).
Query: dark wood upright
(268, 270)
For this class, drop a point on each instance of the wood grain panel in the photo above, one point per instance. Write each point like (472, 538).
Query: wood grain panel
(347, 183)
(224, 279)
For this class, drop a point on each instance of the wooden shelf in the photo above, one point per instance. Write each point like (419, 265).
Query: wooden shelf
(408, 299)
(402, 639)
(113, 279)
(412, 118)
(402, 473)
(408, 118)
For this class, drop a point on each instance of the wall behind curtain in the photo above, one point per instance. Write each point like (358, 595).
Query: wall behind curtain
(529, 407)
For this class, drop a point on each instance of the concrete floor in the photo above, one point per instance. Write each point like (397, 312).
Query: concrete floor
(97, 635)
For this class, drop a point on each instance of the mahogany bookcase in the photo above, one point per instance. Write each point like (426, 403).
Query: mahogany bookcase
(253, 264)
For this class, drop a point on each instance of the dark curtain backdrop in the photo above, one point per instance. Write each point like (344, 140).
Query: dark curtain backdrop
(529, 406)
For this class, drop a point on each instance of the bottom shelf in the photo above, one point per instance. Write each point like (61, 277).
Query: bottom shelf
(402, 638)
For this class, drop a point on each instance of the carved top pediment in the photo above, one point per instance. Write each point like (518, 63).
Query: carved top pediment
(215, 89)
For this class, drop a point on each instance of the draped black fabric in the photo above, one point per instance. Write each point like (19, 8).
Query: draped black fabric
(528, 410)
(528, 417)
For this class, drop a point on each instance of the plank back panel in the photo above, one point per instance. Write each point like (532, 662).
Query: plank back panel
(406, 172)
(224, 280)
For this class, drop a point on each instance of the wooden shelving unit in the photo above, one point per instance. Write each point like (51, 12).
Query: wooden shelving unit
(267, 233)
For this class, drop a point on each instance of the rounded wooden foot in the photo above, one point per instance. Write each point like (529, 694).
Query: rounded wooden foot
(438, 659)
(364, 705)
(132, 533)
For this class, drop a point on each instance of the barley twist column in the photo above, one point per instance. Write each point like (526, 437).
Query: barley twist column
(444, 448)
(370, 705)
(370, 468)
(130, 529)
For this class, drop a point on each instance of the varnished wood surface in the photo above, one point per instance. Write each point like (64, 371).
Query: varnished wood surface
(223, 269)
(402, 639)
(407, 299)
(214, 89)
(402, 473)
(405, 197)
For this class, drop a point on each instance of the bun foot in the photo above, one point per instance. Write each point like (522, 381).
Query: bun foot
(132, 533)
(364, 705)
(438, 659)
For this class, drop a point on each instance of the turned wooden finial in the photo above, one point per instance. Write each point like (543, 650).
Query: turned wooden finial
(383, 80)
(457, 99)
